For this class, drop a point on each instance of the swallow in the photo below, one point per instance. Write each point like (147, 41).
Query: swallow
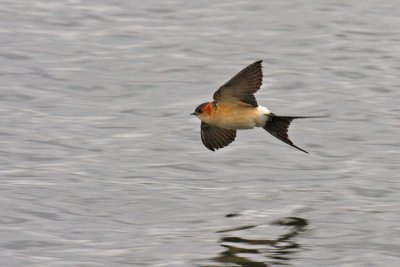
(235, 108)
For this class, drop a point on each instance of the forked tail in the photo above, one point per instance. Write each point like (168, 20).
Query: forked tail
(278, 126)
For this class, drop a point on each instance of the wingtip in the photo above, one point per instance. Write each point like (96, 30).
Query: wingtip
(259, 63)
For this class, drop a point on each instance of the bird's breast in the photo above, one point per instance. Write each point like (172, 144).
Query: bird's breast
(234, 116)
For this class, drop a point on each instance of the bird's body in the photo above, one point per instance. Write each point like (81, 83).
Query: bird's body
(234, 116)
(235, 108)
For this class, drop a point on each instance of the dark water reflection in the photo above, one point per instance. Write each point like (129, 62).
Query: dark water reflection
(277, 251)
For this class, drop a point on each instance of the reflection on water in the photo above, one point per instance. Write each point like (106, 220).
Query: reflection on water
(242, 251)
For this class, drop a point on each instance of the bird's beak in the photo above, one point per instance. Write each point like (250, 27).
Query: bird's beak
(194, 113)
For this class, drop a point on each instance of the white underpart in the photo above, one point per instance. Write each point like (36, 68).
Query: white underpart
(263, 113)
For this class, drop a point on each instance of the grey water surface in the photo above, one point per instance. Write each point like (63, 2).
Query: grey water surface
(101, 164)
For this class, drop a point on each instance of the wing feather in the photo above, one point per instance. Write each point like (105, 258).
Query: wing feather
(215, 138)
(241, 88)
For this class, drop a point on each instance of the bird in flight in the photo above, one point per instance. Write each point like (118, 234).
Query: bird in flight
(235, 108)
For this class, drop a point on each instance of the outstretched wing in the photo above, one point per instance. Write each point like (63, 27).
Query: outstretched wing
(241, 88)
(215, 137)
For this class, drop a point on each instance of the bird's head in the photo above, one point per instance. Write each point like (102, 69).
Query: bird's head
(201, 110)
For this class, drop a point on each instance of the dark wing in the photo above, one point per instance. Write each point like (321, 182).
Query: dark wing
(241, 88)
(215, 137)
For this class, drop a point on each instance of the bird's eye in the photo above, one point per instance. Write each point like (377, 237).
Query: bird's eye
(200, 108)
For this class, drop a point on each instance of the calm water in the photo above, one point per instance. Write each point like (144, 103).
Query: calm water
(101, 164)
